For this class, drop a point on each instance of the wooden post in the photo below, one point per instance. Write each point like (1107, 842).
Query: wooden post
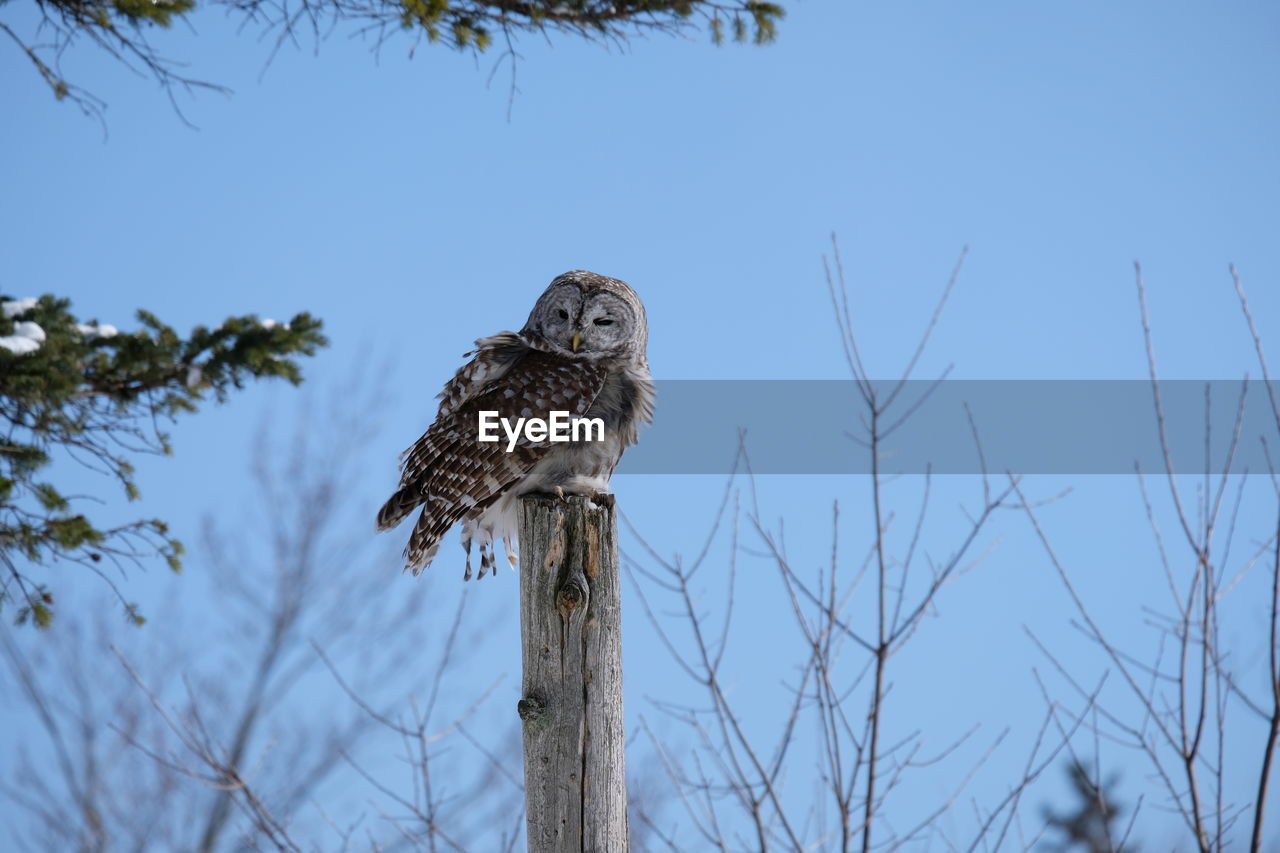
(575, 788)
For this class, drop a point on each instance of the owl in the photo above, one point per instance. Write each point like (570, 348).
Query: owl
(581, 352)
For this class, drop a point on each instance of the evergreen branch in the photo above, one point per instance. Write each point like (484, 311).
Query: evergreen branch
(99, 397)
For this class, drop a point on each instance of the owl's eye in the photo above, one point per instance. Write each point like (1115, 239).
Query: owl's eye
(604, 321)
(564, 315)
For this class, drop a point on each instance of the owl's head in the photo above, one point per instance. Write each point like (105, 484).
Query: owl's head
(591, 316)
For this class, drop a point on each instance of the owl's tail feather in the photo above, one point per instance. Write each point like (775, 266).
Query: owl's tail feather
(398, 507)
(417, 560)
(435, 520)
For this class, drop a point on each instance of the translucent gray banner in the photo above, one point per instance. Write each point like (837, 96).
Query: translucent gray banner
(1025, 426)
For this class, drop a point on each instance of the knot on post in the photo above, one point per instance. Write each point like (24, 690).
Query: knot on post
(531, 708)
(570, 597)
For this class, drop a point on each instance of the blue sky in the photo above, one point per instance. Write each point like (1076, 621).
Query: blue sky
(397, 199)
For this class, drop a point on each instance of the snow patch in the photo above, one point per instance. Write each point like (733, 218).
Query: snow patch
(95, 331)
(29, 329)
(18, 306)
(26, 338)
(18, 345)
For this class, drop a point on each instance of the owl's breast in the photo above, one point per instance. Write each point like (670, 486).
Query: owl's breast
(624, 402)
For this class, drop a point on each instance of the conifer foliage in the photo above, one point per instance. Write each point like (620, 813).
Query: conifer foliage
(1089, 827)
(90, 394)
(123, 28)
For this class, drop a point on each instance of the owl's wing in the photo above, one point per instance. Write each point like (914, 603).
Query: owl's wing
(494, 356)
(449, 471)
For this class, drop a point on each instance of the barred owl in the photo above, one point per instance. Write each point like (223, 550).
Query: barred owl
(582, 351)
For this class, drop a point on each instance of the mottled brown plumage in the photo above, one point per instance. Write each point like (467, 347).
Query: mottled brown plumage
(582, 351)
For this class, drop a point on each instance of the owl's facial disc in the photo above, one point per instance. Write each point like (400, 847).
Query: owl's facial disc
(598, 324)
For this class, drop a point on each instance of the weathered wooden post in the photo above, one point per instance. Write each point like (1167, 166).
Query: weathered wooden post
(575, 788)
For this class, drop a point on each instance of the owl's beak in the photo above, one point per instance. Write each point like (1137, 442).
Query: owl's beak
(577, 341)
